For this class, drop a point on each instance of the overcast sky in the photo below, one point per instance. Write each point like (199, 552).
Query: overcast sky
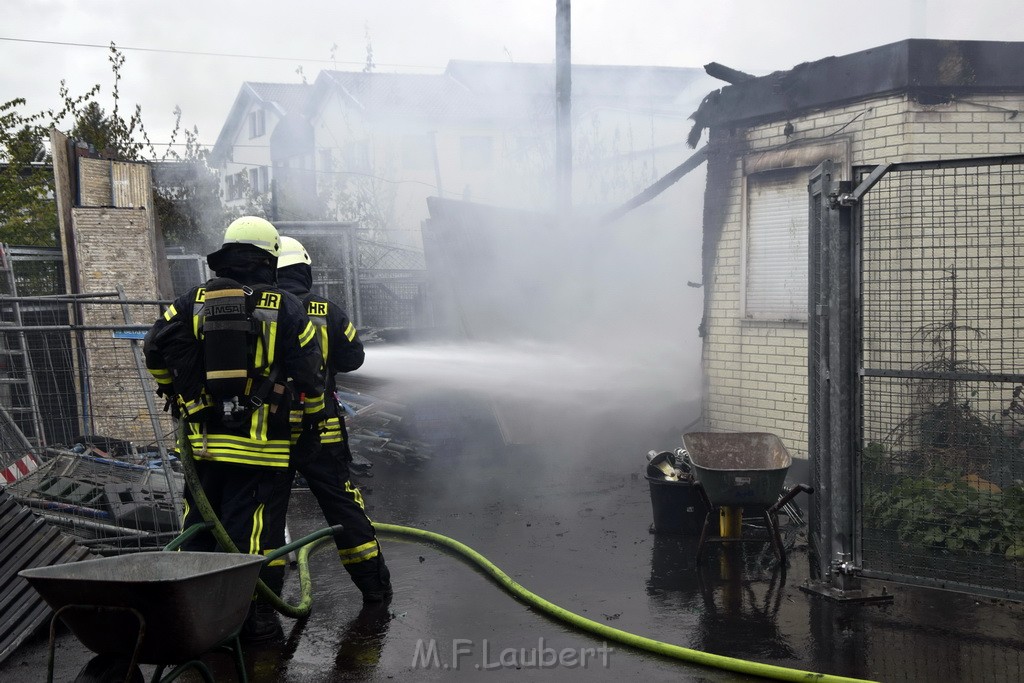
(272, 40)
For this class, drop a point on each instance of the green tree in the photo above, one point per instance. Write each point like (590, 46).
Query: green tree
(93, 127)
(28, 214)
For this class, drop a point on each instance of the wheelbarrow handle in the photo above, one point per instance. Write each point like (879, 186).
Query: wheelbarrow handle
(280, 552)
(790, 495)
(305, 540)
(187, 534)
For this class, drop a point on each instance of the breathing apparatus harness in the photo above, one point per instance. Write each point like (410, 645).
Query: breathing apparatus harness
(216, 359)
(230, 331)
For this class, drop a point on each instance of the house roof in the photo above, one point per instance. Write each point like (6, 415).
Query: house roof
(589, 81)
(471, 91)
(285, 97)
(282, 97)
(932, 70)
(594, 86)
(405, 95)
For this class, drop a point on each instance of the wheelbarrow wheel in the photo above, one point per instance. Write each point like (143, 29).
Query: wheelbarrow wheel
(107, 669)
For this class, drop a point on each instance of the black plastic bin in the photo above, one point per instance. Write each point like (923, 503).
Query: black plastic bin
(678, 508)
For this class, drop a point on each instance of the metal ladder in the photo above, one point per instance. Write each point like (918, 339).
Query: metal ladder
(14, 349)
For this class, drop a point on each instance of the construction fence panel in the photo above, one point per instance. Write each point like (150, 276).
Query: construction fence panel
(101, 463)
(378, 283)
(941, 389)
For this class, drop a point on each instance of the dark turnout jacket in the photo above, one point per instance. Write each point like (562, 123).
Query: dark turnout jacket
(286, 346)
(339, 341)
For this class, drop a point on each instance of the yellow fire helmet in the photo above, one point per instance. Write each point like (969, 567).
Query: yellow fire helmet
(256, 231)
(292, 253)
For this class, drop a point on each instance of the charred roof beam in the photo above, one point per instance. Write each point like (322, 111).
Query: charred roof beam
(727, 74)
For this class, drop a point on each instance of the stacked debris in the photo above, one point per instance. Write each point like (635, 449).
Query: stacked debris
(115, 497)
(106, 492)
(379, 428)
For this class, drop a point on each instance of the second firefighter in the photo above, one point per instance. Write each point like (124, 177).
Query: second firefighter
(323, 458)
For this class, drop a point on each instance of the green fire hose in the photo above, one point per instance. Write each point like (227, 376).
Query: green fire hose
(624, 637)
(504, 580)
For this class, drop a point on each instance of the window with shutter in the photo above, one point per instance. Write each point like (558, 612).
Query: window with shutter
(775, 275)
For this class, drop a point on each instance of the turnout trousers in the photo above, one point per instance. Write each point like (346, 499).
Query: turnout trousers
(326, 472)
(251, 503)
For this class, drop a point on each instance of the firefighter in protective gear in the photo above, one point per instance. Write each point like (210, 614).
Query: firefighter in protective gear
(222, 354)
(324, 462)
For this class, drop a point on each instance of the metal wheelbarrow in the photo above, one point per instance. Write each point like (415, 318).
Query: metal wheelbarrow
(737, 471)
(159, 608)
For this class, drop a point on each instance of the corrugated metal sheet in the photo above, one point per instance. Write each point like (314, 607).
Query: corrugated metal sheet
(94, 182)
(131, 185)
(25, 542)
(120, 184)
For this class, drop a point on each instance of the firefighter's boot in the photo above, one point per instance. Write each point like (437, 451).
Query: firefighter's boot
(261, 626)
(372, 578)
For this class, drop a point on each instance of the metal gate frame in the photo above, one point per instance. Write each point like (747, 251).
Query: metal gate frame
(836, 374)
(830, 384)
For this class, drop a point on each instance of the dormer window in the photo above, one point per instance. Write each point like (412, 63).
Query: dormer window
(257, 123)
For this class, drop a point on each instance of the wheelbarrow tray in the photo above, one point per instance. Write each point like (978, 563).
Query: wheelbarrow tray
(737, 469)
(190, 601)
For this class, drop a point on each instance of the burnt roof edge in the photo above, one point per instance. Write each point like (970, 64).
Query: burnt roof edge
(916, 66)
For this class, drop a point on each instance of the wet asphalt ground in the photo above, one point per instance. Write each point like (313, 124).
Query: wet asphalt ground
(568, 518)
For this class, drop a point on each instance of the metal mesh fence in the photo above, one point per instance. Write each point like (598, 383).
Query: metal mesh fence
(81, 441)
(942, 256)
(382, 257)
(39, 272)
(395, 301)
(384, 286)
(187, 271)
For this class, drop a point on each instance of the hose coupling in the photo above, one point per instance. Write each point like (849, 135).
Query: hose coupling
(844, 565)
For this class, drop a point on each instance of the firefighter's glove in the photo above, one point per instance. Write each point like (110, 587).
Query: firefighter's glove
(201, 416)
(194, 412)
(308, 443)
(171, 406)
(315, 422)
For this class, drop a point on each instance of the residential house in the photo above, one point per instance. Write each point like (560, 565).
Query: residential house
(242, 152)
(373, 146)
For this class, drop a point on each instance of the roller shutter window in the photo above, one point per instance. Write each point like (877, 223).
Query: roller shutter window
(776, 249)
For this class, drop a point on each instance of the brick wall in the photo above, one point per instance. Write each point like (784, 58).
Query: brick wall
(755, 372)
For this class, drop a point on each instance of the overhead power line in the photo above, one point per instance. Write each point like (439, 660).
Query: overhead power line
(211, 54)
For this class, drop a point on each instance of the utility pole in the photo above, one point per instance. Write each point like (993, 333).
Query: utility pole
(563, 109)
